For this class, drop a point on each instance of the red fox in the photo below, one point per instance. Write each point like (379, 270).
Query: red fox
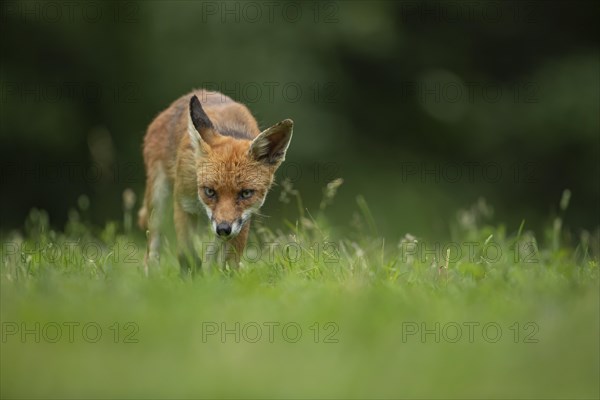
(208, 152)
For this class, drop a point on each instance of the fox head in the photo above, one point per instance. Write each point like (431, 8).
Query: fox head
(234, 175)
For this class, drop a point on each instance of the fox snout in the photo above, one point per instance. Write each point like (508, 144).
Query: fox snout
(223, 229)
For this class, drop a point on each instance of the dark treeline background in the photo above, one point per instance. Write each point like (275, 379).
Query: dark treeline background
(422, 107)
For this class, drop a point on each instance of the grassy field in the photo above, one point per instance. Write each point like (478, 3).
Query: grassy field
(314, 311)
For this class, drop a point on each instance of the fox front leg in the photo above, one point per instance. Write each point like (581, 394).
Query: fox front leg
(185, 228)
(234, 249)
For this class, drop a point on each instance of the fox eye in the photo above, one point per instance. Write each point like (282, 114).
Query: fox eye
(209, 192)
(246, 193)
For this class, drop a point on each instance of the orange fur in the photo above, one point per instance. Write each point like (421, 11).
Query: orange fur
(196, 148)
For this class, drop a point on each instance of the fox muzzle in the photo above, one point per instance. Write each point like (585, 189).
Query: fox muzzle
(223, 229)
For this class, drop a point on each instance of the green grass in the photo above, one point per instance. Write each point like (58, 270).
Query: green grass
(378, 319)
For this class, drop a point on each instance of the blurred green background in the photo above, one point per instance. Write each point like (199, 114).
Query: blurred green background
(422, 107)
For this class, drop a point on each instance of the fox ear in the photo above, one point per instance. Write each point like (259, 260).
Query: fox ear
(200, 128)
(272, 143)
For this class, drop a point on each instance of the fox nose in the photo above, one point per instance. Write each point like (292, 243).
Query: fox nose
(223, 229)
